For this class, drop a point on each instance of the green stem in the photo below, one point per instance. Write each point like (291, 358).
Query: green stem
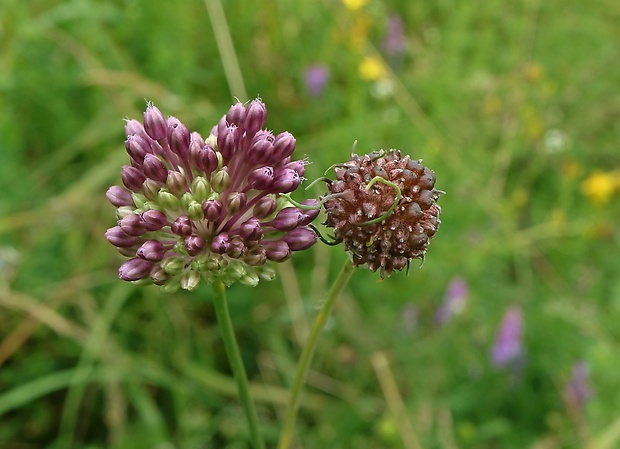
(236, 363)
(307, 353)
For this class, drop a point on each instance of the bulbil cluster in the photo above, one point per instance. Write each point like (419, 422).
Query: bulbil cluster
(195, 209)
(383, 208)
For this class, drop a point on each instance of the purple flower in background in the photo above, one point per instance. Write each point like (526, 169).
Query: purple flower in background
(577, 390)
(394, 42)
(454, 301)
(315, 78)
(508, 347)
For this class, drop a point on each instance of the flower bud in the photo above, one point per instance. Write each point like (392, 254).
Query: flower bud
(132, 127)
(212, 209)
(182, 226)
(154, 168)
(177, 182)
(236, 114)
(155, 123)
(283, 146)
(119, 238)
(227, 141)
(151, 189)
(220, 180)
(204, 158)
(250, 279)
(261, 178)
(151, 250)
(265, 207)
(195, 211)
(251, 229)
(153, 219)
(235, 202)
(137, 147)
(310, 214)
(168, 201)
(260, 151)
(285, 180)
(119, 196)
(132, 178)
(179, 138)
(255, 257)
(159, 275)
(298, 166)
(220, 243)
(300, 238)
(194, 244)
(255, 116)
(287, 219)
(236, 248)
(190, 280)
(134, 269)
(173, 265)
(200, 188)
(132, 225)
(276, 250)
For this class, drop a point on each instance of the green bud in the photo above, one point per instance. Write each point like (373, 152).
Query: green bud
(177, 182)
(236, 269)
(123, 211)
(211, 140)
(190, 280)
(151, 205)
(171, 286)
(168, 201)
(200, 263)
(138, 199)
(216, 263)
(173, 265)
(194, 211)
(250, 279)
(186, 200)
(150, 188)
(180, 248)
(266, 273)
(200, 188)
(220, 180)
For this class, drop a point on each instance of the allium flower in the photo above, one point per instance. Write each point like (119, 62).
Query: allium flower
(508, 347)
(383, 208)
(454, 301)
(193, 209)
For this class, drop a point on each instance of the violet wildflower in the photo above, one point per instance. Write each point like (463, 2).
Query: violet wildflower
(577, 390)
(315, 78)
(383, 208)
(195, 209)
(454, 301)
(507, 350)
(394, 42)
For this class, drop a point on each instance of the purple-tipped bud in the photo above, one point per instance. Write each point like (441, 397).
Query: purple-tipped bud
(151, 250)
(255, 116)
(182, 226)
(235, 202)
(137, 147)
(119, 238)
(298, 166)
(260, 151)
(203, 157)
(194, 244)
(285, 180)
(159, 275)
(300, 238)
(287, 219)
(119, 196)
(132, 178)
(178, 137)
(227, 141)
(134, 269)
(261, 178)
(311, 214)
(177, 182)
(236, 114)
(283, 146)
(236, 248)
(154, 168)
(251, 229)
(220, 180)
(154, 219)
(265, 207)
(150, 189)
(132, 127)
(220, 127)
(220, 243)
(212, 209)
(276, 250)
(155, 123)
(132, 225)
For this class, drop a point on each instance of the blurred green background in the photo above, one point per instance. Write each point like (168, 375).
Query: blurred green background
(515, 105)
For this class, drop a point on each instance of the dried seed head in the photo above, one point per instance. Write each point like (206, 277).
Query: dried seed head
(383, 208)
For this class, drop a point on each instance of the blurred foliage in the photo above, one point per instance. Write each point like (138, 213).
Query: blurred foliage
(514, 105)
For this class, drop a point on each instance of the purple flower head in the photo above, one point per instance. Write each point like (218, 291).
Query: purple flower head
(507, 350)
(315, 78)
(577, 390)
(196, 209)
(454, 301)
(394, 42)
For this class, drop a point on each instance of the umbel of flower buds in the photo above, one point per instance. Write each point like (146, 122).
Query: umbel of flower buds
(195, 209)
(383, 208)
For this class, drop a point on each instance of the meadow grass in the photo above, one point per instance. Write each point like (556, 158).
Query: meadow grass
(514, 105)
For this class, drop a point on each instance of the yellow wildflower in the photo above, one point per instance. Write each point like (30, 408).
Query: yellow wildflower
(600, 186)
(354, 5)
(372, 69)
